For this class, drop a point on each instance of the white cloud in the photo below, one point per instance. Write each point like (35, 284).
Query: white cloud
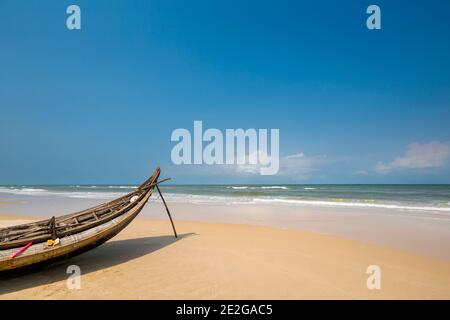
(296, 166)
(300, 166)
(258, 157)
(434, 154)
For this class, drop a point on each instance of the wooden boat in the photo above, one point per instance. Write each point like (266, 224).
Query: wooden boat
(58, 238)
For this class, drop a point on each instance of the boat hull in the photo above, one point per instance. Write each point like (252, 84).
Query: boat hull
(39, 254)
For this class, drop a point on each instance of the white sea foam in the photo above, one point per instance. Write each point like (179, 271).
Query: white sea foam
(257, 187)
(122, 187)
(348, 204)
(22, 191)
(204, 199)
(309, 188)
(275, 187)
(91, 195)
(69, 194)
(187, 197)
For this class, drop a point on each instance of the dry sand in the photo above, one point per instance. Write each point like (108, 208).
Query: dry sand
(228, 261)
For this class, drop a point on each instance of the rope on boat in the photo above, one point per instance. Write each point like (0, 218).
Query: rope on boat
(21, 250)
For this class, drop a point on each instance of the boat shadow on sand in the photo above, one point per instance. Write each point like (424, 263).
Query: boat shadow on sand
(107, 255)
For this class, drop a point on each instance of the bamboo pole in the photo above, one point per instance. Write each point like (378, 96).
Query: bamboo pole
(168, 212)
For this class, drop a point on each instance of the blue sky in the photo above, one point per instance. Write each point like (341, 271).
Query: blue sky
(98, 105)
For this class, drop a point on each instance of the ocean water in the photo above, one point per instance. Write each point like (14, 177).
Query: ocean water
(404, 197)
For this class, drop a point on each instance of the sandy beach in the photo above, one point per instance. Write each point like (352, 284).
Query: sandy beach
(231, 261)
(300, 148)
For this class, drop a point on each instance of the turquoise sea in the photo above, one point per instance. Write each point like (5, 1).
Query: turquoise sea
(408, 197)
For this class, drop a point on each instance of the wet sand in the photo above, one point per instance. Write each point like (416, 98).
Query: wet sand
(418, 232)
